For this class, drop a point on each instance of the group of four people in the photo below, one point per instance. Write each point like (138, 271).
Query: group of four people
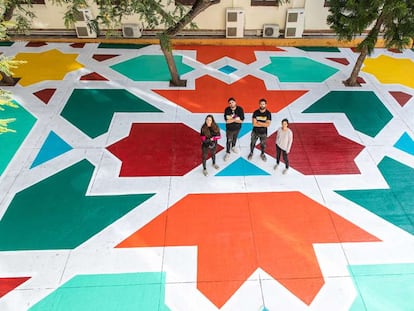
(234, 117)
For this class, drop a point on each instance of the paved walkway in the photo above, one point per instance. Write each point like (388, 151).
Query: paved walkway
(104, 206)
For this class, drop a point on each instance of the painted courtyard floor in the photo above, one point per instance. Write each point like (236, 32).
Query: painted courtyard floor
(103, 204)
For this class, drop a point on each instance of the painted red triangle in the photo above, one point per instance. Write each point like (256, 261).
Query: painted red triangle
(8, 284)
(102, 57)
(35, 44)
(401, 97)
(77, 45)
(93, 76)
(45, 95)
(340, 60)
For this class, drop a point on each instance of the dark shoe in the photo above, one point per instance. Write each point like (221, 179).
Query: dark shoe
(250, 156)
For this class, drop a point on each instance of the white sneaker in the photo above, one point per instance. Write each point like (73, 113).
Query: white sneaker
(227, 156)
(235, 150)
(216, 166)
(205, 172)
(275, 167)
(285, 171)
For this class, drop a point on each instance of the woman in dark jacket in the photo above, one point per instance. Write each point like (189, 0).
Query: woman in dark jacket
(210, 134)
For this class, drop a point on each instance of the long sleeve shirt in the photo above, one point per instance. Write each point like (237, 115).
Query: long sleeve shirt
(284, 139)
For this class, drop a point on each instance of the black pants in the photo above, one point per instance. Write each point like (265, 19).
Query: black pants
(284, 154)
(205, 150)
(231, 139)
(254, 138)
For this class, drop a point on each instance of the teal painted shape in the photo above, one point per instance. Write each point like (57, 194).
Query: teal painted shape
(242, 167)
(318, 48)
(364, 110)
(122, 46)
(6, 43)
(108, 292)
(91, 110)
(246, 128)
(53, 147)
(383, 287)
(228, 69)
(298, 69)
(150, 68)
(405, 143)
(56, 213)
(11, 142)
(396, 204)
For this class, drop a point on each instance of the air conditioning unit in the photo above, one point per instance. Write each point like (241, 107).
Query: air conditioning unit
(271, 31)
(132, 30)
(234, 23)
(82, 25)
(295, 23)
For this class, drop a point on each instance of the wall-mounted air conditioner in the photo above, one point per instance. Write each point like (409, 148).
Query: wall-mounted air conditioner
(234, 23)
(295, 23)
(132, 30)
(82, 25)
(271, 31)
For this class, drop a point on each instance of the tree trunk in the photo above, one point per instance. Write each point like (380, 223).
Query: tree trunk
(366, 47)
(198, 7)
(352, 80)
(6, 79)
(175, 77)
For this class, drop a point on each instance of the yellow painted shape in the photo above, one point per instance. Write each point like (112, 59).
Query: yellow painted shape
(391, 70)
(48, 65)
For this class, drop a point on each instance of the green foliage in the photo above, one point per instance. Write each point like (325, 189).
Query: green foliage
(391, 19)
(6, 100)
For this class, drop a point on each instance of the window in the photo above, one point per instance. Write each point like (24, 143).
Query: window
(264, 3)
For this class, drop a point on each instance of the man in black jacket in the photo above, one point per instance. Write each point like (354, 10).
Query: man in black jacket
(234, 116)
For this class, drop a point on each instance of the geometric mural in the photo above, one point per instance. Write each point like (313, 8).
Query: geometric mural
(103, 203)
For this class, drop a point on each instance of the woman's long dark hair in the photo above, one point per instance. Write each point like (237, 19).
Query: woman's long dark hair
(208, 131)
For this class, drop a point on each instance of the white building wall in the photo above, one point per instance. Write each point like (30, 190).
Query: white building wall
(50, 16)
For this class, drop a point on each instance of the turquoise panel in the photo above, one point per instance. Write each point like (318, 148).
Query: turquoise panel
(246, 128)
(53, 147)
(242, 167)
(11, 142)
(108, 292)
(383, 287)
(364, 110)
(150, 68)
(396, 204)
(298, 69)
(405, 143)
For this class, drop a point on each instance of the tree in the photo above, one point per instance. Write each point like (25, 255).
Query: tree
(391, 19)
(170, 14)
(20, 10)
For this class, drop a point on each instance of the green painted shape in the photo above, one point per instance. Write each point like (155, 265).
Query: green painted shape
(91, 110)
(6, 43)
(383, 287)
(298, 69)
(11, 142)
(364, 110)
(107, 292)
(56, 213)
(318, 48)
(150, 68)
(121, 46)
(396, 204)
